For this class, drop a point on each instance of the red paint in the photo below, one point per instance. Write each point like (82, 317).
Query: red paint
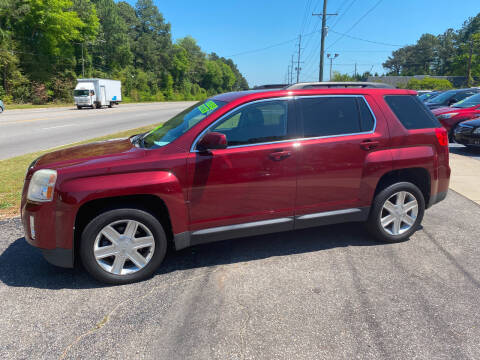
(461, 114)
(237, 185)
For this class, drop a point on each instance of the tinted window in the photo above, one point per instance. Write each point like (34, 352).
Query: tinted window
(256, 123)
(366, 119)
(323, 116)
(411, 112)
(462, 95)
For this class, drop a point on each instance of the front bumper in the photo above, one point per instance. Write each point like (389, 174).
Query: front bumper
(49, 232)
(467, 139)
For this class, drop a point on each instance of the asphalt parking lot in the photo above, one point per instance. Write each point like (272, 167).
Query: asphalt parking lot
(462, 150)
(329, 292)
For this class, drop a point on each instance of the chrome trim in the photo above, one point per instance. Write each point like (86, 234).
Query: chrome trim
(192, 148)
(327, 213)
(242, 226)
(194, 144)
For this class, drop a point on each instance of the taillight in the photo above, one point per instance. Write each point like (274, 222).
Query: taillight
(442, 136)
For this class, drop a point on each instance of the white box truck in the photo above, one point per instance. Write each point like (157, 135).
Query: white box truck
(97, 93)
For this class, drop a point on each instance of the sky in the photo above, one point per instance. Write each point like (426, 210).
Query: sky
(235, 29)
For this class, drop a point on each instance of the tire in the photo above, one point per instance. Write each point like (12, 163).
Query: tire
(98, 105)
(116, 224)
(110, 105)
(79, 107)
(402, 227)
(451, 135)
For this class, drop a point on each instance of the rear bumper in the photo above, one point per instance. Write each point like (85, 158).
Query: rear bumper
(436, 198)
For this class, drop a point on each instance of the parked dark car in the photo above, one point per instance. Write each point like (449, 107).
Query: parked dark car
(236, 165)
(428, 96)
(450, 117)
(450, 97)
(468, 133)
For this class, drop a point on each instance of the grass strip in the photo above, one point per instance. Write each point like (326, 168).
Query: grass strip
(12, 172)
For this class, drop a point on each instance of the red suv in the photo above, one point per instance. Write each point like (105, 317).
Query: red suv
(239, 164)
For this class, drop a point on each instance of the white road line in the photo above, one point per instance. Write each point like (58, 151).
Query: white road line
(58, 126)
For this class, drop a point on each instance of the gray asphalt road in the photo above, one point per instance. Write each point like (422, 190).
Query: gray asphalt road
(329, 293)
(25, 131)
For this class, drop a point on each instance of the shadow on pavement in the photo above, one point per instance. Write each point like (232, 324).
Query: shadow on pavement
(21, 265)
(463, 150)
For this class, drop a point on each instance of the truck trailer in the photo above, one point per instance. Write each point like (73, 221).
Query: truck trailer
(97, 93)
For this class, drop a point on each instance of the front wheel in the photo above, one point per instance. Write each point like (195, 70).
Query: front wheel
(79, 107)
(397, 212)
(123, 246)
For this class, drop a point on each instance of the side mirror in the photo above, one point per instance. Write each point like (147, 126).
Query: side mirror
(212, 141)
(451, 102)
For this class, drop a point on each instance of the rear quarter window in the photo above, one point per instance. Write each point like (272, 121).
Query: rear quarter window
(411, 112)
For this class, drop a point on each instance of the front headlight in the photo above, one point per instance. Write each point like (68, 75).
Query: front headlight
(477, 131)
(447, 116)
(42, 185)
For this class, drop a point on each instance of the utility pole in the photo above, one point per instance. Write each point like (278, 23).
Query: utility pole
(291, 71)
(298, 57)
(83, 64)
(324, 33)
(355, 71)
(469, 67)
(331, 57)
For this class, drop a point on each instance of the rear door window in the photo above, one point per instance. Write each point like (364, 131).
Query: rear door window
(331, 115)
(411, 112)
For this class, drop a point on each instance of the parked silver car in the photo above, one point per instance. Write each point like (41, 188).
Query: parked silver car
(2, 107)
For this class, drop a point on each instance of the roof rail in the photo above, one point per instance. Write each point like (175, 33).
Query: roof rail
(269, 86)
(349, 84)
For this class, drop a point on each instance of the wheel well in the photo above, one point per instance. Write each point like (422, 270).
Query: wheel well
(417, 176)
(150, 203)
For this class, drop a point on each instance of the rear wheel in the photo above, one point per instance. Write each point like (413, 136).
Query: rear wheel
(123, 246)
(397, 212)
(79, 107)
(110, 105)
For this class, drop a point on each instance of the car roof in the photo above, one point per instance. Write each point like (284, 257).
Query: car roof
(250, 95)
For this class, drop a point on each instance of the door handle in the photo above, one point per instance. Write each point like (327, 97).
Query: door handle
(369, 144)
(280, 155)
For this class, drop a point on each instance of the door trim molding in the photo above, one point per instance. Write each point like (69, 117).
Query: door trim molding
(203, 236)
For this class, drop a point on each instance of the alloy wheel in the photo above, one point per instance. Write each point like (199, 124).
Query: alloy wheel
(399, 213)
(124, 247)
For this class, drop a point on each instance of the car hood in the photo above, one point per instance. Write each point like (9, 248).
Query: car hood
(474, 122)
(97, 151)
(444, 110)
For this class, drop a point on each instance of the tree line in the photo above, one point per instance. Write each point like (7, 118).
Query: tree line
(455, 53)
(45, 45)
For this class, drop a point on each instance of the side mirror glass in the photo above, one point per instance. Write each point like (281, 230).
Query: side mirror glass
(212, 141)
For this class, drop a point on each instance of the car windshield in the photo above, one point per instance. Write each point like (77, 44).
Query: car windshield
(441, 98)
(80, 92)
(179, 124)
(468, 102)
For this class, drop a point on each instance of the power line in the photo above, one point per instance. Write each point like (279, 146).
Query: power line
(360, 39)
(357, 22)
(343, 14)
(263, 48)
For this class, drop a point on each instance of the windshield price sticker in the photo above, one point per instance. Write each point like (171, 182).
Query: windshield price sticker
(211, 105)
(203, 109)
